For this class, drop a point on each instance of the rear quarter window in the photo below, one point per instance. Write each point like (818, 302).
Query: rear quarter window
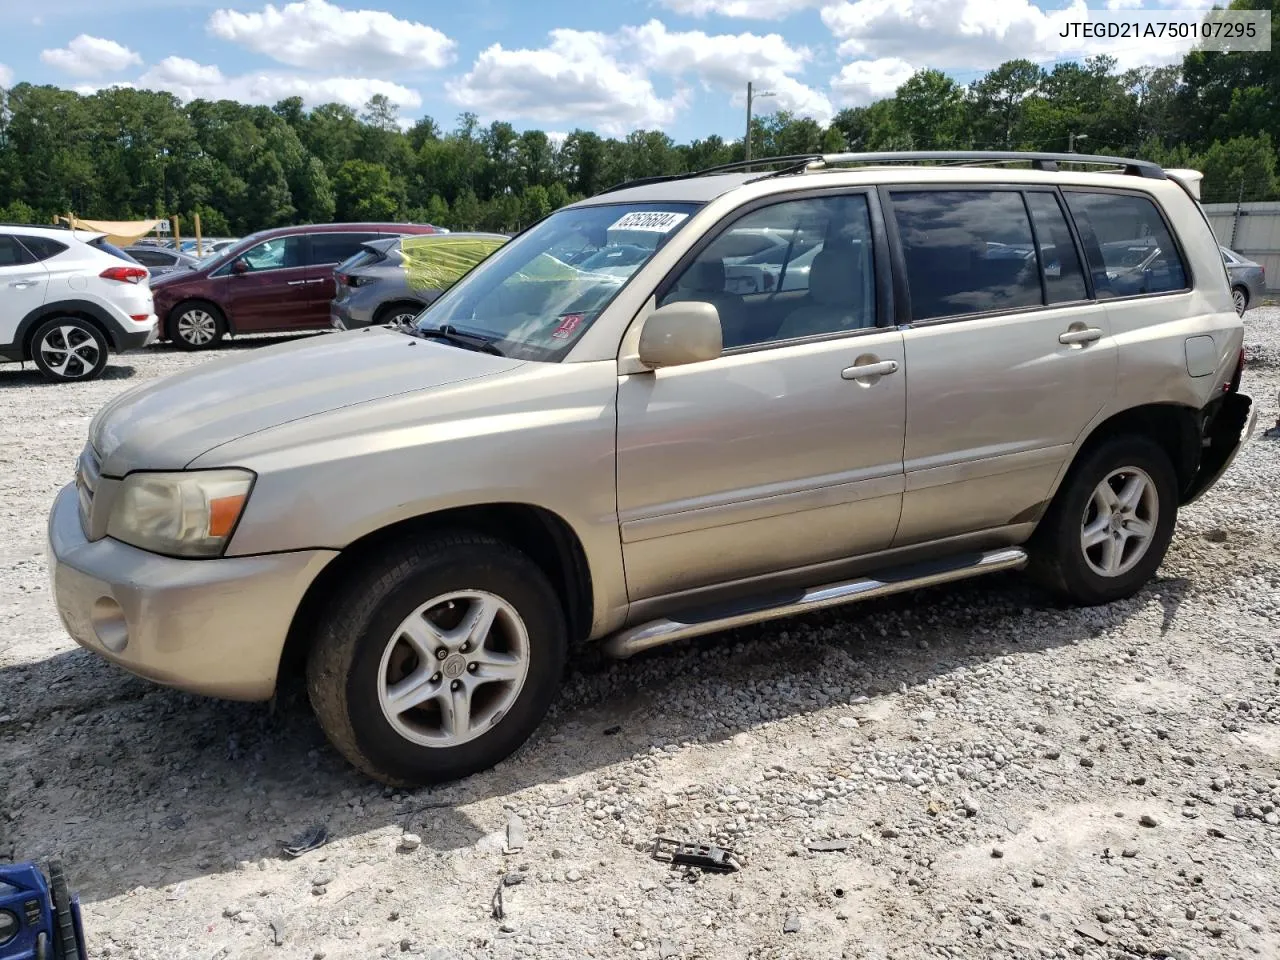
(42, 248)
(102, 244)
(1128, 245)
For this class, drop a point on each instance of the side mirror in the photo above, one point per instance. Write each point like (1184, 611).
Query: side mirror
(239, 267)
(687, 331)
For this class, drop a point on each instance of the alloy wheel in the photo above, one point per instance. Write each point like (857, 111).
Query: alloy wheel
(1119, 522)
(69, 351)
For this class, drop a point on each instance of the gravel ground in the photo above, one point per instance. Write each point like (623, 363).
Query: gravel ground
(1006, 779)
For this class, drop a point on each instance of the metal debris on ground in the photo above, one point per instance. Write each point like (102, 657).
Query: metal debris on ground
(828, 846)
(515, 834)
(508, 880)
(701, 855)
(310, 839)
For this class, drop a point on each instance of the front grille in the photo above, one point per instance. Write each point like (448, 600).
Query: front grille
(88, 471)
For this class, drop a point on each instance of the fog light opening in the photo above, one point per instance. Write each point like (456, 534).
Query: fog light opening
(109, 624)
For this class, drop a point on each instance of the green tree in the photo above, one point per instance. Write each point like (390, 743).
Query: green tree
(314, 193)
(534, 204)
(1240, 168)
(437, 211)
(466, 211)
(363, 192)
(929, 109)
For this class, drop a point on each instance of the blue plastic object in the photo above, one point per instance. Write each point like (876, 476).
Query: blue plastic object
(39, 916)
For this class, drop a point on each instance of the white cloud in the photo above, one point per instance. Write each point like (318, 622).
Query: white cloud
(189, 80)
(320, 35)
(727, 62)
(977, 35)
(743, 9)
(577, 78)
(865, 81)
(606, 79)
(87, 56)
(6, 76)
(1124, 4)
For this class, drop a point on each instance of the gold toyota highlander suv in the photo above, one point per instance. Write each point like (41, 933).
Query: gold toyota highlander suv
(682, 405)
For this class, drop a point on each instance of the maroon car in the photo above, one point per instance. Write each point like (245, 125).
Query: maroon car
(276, 280)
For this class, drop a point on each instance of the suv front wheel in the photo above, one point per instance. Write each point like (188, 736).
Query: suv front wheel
(439, 661)
(1111, 523)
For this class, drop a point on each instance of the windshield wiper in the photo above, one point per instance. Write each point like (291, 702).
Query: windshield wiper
(468, 341)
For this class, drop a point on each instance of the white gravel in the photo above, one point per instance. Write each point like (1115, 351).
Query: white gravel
(1012, 780)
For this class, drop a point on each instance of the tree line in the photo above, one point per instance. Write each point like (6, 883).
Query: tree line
(123, 153)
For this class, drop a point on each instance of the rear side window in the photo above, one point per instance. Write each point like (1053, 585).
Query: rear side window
(966, 251)
(12, 253)
(42, 248)
(362, 259)
(329, 248)
(1063, 276)
(1129, 248)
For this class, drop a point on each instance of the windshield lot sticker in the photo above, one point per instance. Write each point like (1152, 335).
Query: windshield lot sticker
(654, 221)
(568, 323)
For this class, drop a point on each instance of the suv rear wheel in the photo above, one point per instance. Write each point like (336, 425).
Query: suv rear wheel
(439, 661)
(196, 326)
(1111, 523)
(69, 348)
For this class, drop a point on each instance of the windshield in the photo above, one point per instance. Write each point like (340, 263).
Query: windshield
(539, 293)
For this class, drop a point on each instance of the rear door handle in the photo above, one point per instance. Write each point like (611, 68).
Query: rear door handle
(23, 284)
(298, 283)
(320, 280)
(1081, 337)
(864, 370)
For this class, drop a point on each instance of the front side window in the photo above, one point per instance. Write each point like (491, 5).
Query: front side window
(278, 253)
(536, 295)
(1127, 244)
(796, 269)
(966, 251)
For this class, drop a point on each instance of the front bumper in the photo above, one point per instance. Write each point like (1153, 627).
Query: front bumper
(213, 627)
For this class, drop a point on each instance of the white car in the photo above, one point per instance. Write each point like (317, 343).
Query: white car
(68, 298)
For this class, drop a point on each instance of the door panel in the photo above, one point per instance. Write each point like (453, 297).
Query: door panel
(325, 251)
(758, 462)
(272, 295)
(24, 286)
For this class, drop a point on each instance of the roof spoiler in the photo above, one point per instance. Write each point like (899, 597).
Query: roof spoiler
(1190, 179)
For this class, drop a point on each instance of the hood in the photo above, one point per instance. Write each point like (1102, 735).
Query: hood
(167, 423)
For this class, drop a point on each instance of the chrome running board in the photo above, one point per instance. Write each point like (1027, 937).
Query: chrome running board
(695, 623)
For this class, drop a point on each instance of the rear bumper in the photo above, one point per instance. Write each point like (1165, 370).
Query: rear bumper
(134, 335)
(343, 317)
(213, 627)
(1233, 426)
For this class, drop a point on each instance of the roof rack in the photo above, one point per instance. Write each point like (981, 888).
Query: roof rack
(1038, 161)
(795, 163)
(798, 163)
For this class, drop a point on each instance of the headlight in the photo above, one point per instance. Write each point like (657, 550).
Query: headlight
(180, 514)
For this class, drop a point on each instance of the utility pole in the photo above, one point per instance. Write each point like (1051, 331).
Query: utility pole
(751, 96)
(1072, 138)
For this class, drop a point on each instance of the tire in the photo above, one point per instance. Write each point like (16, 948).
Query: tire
(196, 325)
(403, 311)
(64, 918)
(369, 641)
(1240, 298)
(1118, 564)
(68, 349)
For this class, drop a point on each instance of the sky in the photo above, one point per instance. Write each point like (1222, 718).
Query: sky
(610, 65)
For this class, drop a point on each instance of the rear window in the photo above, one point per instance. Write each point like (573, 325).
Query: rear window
(153, 258)
(102, 244)
(966, 251)
(364, 258)
(1128, 246)
(42, 248)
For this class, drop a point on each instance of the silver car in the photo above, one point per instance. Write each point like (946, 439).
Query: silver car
(391, 280)
(594, 436)
(1248, 280)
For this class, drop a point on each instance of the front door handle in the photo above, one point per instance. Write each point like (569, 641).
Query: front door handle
(862, 371)
(1080, 336)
